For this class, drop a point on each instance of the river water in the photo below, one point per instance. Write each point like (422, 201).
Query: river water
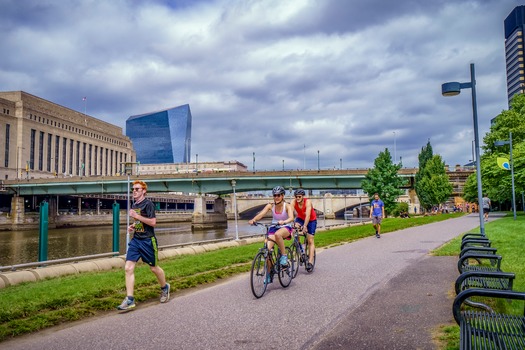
(18, 247)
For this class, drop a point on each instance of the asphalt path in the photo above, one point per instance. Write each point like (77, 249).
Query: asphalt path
(303, 316)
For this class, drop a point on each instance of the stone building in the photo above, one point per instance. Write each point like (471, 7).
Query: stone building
(41, 139)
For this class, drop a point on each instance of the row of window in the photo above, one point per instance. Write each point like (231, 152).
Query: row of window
(77, 130)
(70, 157)
(6, 111)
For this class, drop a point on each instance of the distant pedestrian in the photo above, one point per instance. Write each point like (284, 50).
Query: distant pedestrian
(143, 245)
(486, 206)
(377, 213)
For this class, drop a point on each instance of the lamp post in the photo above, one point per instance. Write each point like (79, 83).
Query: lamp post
(128, 169)
(395, 155)
(318, 163)
(509, 142)
(453, 89)
(253, 162)
(235, 210)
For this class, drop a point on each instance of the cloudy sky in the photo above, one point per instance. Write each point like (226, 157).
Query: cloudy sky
(310, 82)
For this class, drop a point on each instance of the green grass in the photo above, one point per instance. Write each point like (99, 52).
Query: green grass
(507, 235)
(34, 306)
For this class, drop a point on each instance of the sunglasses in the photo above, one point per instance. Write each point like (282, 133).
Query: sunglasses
(299, 196)
(277, 195)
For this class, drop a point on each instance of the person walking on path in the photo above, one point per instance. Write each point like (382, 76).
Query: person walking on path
(143, 245)
(307, 219)
(486, 206)
(377, 213)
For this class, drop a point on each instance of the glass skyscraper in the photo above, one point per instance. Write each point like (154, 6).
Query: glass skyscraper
(161, 137)
(514, 51)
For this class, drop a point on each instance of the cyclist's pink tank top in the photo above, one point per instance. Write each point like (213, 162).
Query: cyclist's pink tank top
(279, 216)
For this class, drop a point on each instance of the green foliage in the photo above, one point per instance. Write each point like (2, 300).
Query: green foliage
(402, 207)
(384, 180)
(496, 182)
(434, 186)
(424, 156)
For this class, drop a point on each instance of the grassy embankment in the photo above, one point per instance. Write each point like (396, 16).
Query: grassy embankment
(34, 306)
(507, 235)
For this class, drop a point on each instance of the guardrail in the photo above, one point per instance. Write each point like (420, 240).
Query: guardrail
(111, 254)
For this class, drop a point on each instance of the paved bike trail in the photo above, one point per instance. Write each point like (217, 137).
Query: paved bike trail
(382, 293)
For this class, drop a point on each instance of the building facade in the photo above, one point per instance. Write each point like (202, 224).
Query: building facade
(514, 52)
(186, 168)
(163, 136)
(41, 139)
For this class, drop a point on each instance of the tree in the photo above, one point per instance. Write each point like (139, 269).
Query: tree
(385, 180)
(434, 185)
(424, 156)
(496, 182)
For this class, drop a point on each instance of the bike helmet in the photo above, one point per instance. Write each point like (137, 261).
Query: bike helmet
(278, 190)
(299, 192)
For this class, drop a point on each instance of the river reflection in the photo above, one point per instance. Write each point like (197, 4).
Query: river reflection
(18, 247)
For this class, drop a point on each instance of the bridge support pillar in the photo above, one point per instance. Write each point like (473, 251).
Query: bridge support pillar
(17, 210)
(202, 219)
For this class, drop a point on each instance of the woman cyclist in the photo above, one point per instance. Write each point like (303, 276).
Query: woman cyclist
(306, 218)
(282, 215)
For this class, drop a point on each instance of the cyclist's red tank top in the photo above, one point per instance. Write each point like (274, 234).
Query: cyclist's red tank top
(301, 212)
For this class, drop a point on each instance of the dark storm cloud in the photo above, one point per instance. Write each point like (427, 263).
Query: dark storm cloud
(283, 79)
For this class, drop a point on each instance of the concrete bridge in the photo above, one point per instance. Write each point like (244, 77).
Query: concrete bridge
(199, 183)
(329, 205)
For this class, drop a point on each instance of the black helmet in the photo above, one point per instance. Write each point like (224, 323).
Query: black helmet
(299, 192)
(278, 190)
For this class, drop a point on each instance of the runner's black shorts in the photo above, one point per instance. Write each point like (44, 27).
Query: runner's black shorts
(145, 249)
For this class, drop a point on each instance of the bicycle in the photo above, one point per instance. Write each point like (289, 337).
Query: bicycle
(300, 251)
(266, 264)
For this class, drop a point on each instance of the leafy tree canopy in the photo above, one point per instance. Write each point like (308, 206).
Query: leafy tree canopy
(385, 180)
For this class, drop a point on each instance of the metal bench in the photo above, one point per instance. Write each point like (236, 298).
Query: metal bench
(484, 280)
(475, 242)
(489, 330)
(477, 250)
(465, 263)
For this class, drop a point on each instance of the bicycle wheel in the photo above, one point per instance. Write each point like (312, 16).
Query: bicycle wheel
(286, 272)
(294, 258)
(258, 275)
(307, 248)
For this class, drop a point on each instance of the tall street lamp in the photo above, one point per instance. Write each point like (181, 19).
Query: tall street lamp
(318, 163)
(453, 89)
(509, 142)
(233, 182)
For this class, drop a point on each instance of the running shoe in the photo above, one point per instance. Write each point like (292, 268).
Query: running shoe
(165, 293)
(127, 304)
(284, 260)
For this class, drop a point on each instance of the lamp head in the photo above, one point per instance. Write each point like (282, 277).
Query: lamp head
(450, 89)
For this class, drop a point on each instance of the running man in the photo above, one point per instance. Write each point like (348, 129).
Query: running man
(306, 218)
(143, 245)
(377, 213)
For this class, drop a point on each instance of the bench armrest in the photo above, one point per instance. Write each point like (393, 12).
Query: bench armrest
(473, 235)
(503, 275)
(494, 259)
(478, 250)
(490, 293)
(475, 242)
